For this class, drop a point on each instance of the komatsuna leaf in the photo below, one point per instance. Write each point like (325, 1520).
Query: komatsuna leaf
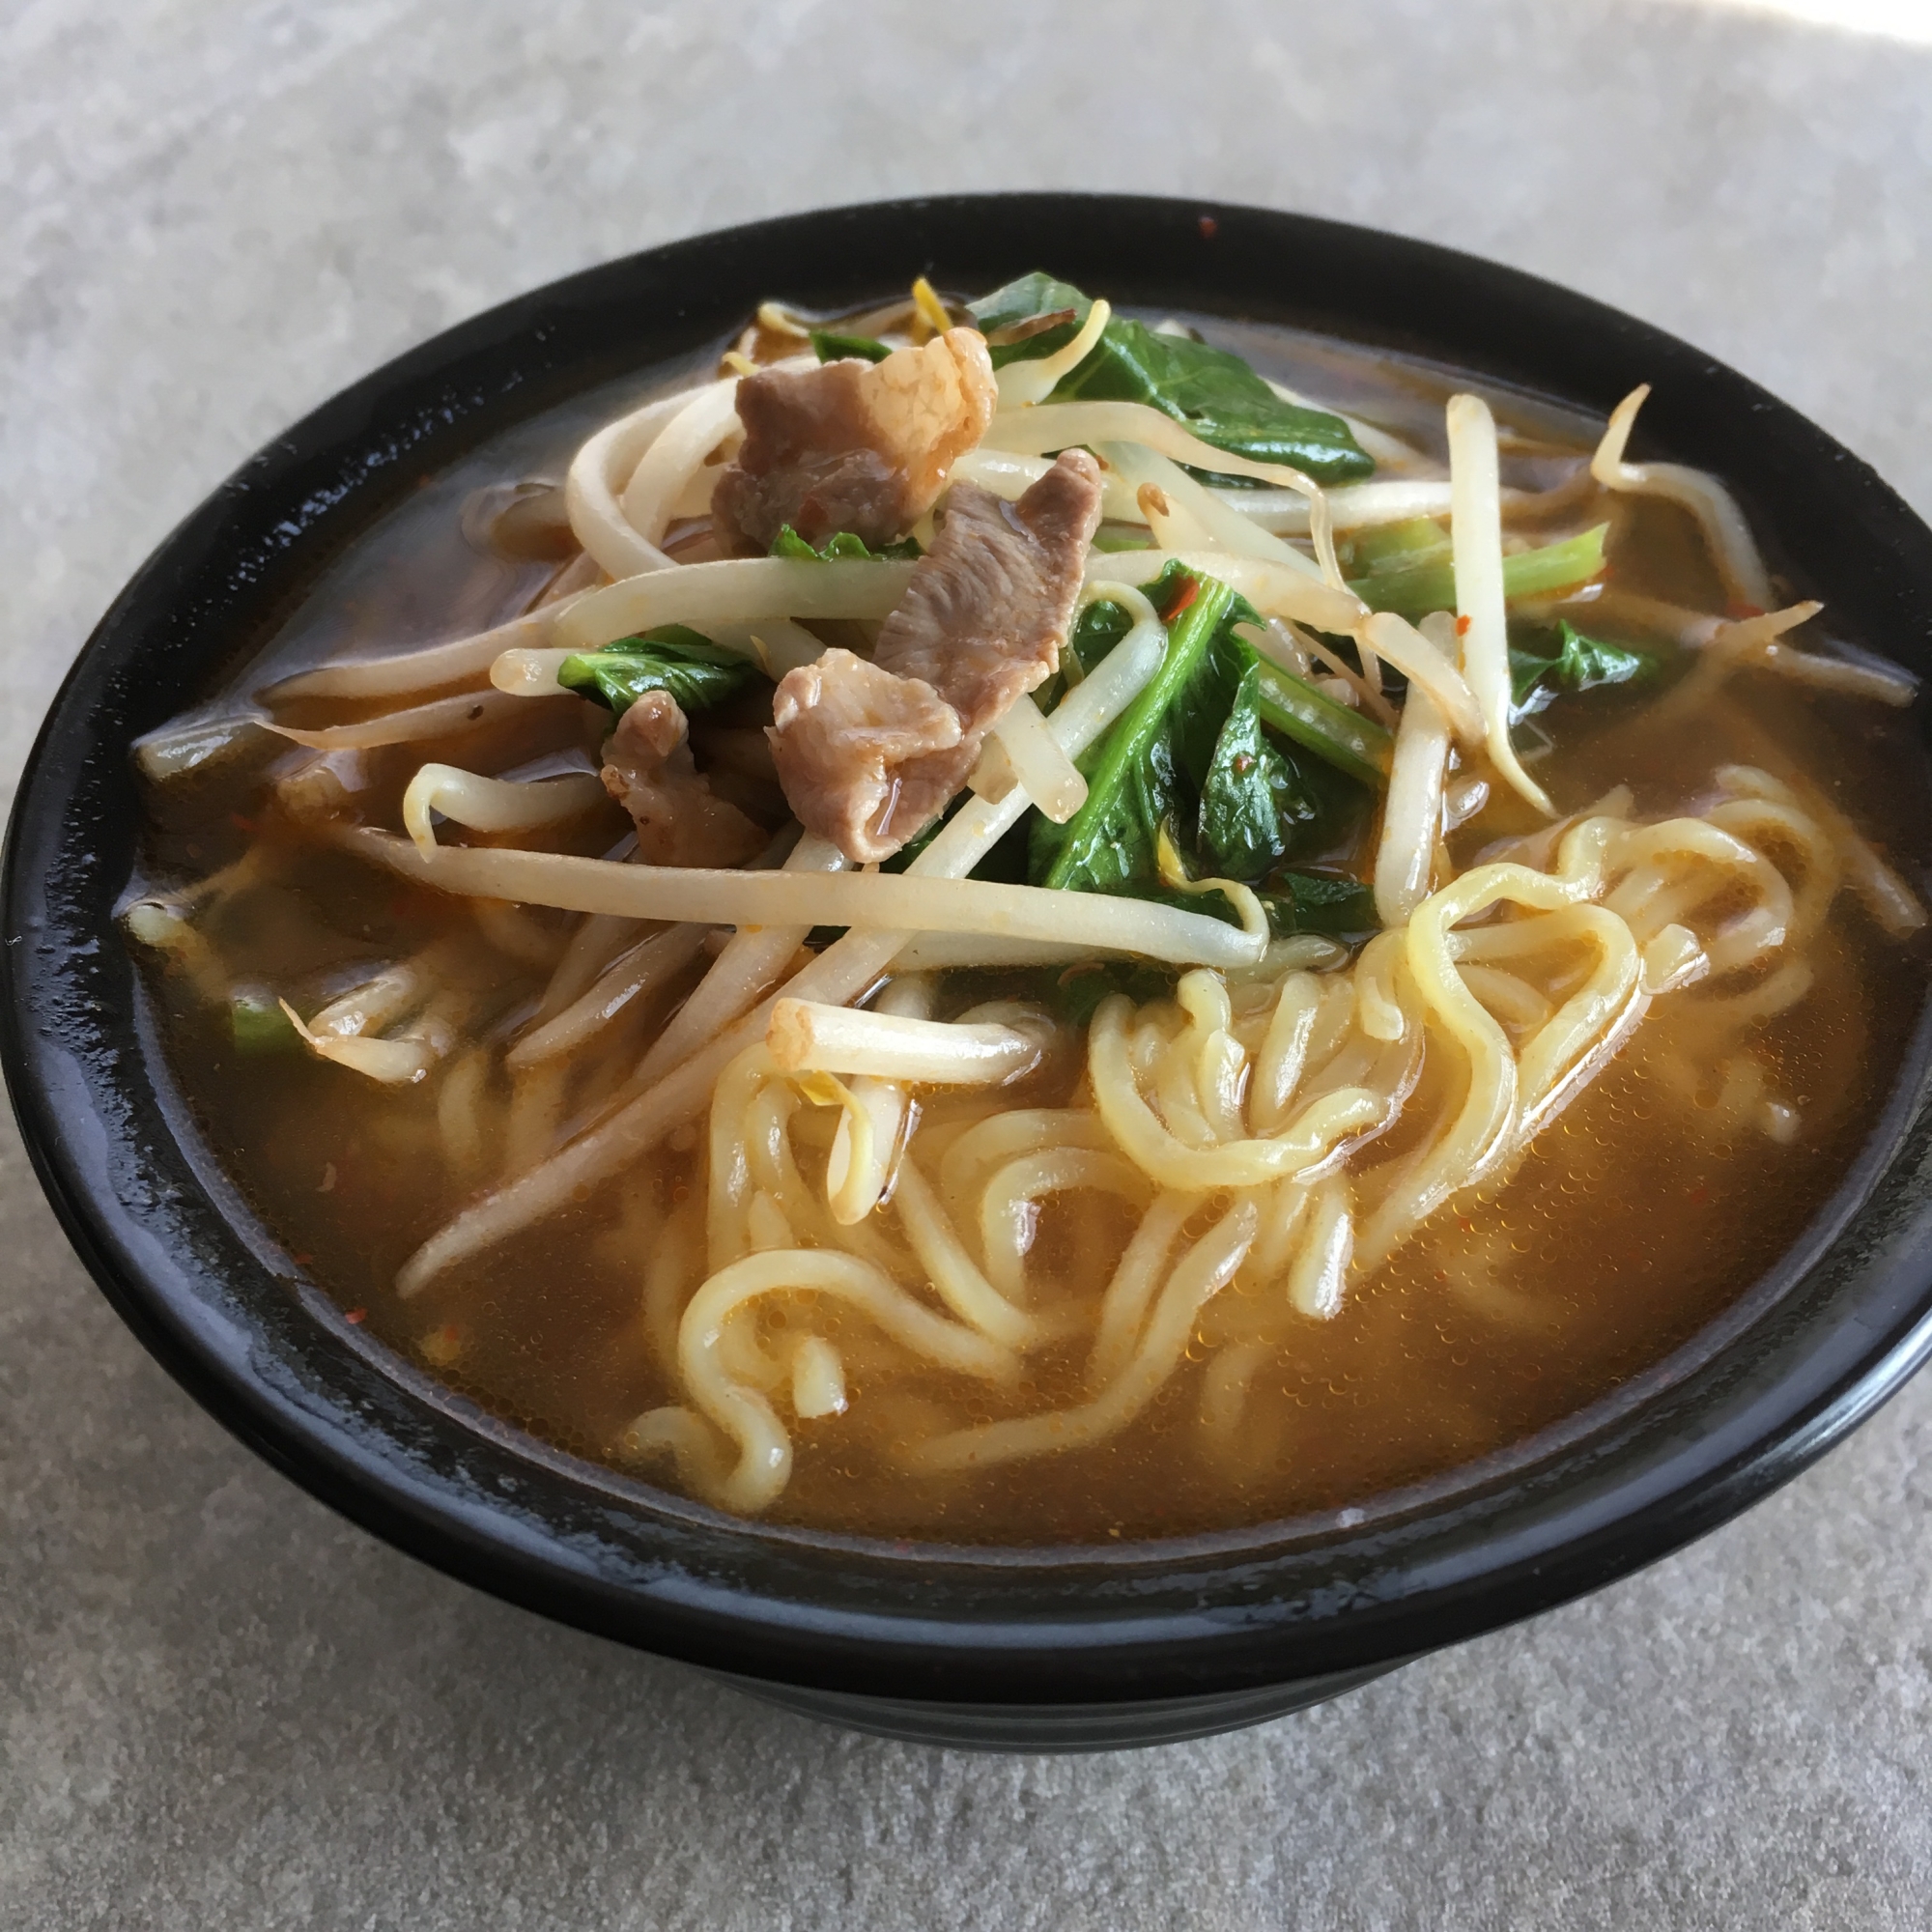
(843, 545)
(674, 658)
(1256, 797)
(1580, 664)
(1030, 297)
(1322, 902)
(1294, 902)
(1098, 628)
(1212, 391)
(1158, 764)
(1136, 777)
(1075, 993)
(1214, 394)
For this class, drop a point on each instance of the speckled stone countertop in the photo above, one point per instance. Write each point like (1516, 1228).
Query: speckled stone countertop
(219, 1706)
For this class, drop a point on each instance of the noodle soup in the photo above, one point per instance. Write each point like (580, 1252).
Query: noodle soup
(895, 979)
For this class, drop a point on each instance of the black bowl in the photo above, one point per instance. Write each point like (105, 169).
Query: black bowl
(1022, 1649)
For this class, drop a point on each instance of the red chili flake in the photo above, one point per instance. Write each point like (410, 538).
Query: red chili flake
(1190, 589)
(1698, 1196)
(242, 824)
(1208, 227)
(1737, 611)
(357, 1316)
(1461, 627)
(1243, 764)
(1073, 973)
(302, 1261)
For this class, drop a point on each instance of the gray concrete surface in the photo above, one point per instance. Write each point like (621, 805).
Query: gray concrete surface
(222, 1707)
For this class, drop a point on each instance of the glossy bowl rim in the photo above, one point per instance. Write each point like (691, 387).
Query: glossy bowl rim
(1158, 1620)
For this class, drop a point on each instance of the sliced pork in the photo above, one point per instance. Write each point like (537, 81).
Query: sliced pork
(649, 771)
(846, 730)
(868, 753)
(852, 446)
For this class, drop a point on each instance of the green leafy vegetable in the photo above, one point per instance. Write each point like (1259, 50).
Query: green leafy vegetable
(1257, 795)
(1217, 396)
(1190, 753)
(1076, 993)
(257, 1023)
(842, 544)
(1111, 541)
(1412, 589)
(1098, 628)
(1580, 664)
(1022, 300)
(673, 658)
(1201, 707)
(1293, 901)
(829, 346)
(1211, 391)
(1319, 902)
(1135, 776)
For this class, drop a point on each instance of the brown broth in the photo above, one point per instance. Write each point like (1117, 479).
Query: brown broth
(1628, 1226)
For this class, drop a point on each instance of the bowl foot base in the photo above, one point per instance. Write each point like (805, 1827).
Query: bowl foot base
(1056, 1727)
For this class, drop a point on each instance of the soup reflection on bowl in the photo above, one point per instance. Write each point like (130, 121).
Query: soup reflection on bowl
(996, 919)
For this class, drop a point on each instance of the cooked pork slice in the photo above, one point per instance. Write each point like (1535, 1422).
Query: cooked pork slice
(868, 751)
(649, 771)
(985, 615)
(852, 446)
(845, 733)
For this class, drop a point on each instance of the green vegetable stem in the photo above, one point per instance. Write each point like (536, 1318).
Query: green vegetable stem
(829, 346)
(1413, 589)
(257, 1023)
(1134, 774)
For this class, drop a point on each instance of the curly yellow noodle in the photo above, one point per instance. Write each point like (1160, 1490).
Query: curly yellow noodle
(1206, 1268)
(1007, 1205)
(1236, 1105)
(744, 1414)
